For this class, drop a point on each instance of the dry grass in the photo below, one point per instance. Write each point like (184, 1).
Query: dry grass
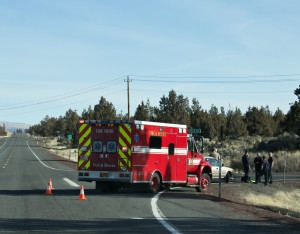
(283, 201)
(53, 146)
(8, 134)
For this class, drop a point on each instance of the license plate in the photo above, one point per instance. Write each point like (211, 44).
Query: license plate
(103, 174)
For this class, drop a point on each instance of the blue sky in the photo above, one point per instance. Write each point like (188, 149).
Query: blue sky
(61, 54)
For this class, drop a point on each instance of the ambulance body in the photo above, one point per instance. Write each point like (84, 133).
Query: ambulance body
(116, 153)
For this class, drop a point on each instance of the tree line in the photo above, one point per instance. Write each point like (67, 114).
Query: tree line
(174, 108)
(2, 130)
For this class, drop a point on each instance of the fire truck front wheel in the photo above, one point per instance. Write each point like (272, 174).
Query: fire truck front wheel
(155, 183)
(204, 183)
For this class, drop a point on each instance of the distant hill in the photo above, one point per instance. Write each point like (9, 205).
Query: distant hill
(13, 126)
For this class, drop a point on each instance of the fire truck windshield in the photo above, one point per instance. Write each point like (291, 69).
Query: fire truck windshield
(192, 146)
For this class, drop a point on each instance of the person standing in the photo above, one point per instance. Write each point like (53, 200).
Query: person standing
(258, 163)
(265, 169)
(215, 154)
(271, 164)
(246, 165)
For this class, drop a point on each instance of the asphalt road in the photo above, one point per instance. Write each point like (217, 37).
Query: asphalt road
(24, 207)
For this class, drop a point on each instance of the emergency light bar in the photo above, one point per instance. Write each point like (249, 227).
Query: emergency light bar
(139, 127)
(106, 122)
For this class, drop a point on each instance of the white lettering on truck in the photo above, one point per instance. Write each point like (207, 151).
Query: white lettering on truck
(103, 165)
(105, 131)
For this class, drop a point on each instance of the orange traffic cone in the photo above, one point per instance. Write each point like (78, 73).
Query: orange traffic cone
(50, 182)
(48, 191)
(82, 196)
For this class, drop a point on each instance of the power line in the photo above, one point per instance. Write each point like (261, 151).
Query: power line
(217, 81)
(63, 105)
(215, 77)
(200, 92)
(66, 95)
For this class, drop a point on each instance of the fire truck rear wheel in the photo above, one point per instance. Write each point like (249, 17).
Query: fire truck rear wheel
(204, 183)
(155, 183)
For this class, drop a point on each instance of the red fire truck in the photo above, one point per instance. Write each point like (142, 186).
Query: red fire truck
(116, 153)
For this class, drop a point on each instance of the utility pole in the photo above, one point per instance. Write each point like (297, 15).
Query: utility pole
(128, 96)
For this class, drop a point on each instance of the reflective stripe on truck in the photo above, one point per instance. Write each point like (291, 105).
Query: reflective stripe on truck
(84, 147)
(124, 161)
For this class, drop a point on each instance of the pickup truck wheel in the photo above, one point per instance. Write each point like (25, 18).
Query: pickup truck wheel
(155, 183)
(204, 183)
(227, 177)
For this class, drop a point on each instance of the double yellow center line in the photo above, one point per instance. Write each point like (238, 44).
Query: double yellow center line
(10, 155)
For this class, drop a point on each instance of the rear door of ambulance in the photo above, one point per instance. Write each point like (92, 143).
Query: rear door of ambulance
(110, 153)
(104, 148)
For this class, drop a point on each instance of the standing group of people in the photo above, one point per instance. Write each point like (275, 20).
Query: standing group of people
(263, 167)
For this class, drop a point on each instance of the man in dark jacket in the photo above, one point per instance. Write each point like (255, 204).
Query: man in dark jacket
(265, 169)
(258, 163)
(246, 165)
(271, 164)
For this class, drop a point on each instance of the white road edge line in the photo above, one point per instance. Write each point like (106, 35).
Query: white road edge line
(44, 163)
(160, 216)
(3, 144)
(70, 182)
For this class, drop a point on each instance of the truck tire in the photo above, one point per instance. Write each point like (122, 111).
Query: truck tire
(204, 183)
(227, 177)
(107, 187)
(155, 183)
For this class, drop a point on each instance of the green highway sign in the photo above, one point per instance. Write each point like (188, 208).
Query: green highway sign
(69, 137)
(190, 131)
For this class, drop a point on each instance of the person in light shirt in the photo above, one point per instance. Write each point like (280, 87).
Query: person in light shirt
(215, 154)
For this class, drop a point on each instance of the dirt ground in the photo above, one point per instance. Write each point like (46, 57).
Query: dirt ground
(231, 197)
